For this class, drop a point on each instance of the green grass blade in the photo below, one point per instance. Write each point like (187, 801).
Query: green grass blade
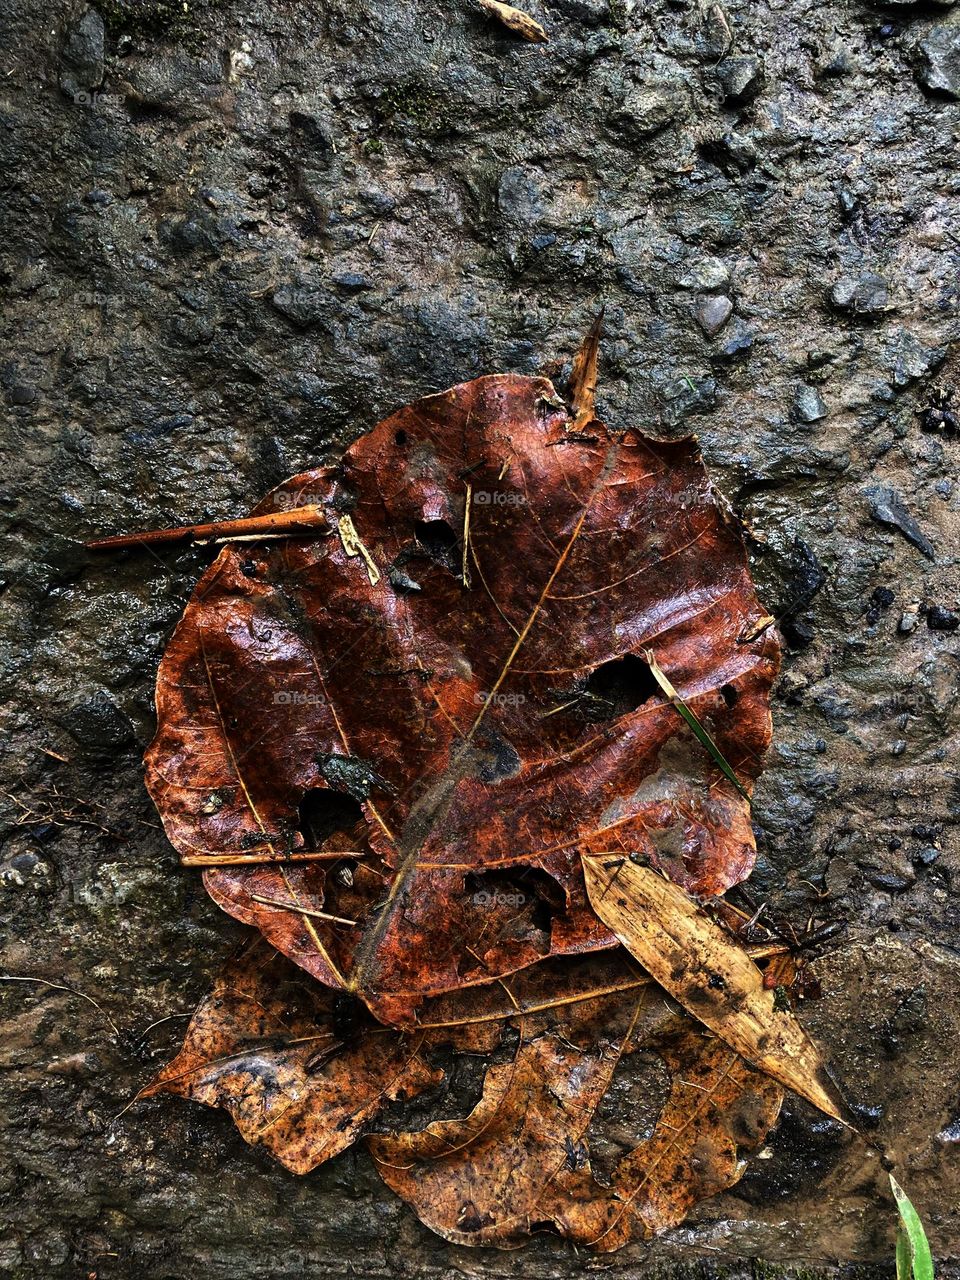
(921, 1260)
(699, 731)
(904, 1261)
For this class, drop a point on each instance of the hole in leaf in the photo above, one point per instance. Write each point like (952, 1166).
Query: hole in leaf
(435, 536)
(628, 1113)
(729, 694)
(617, 688)
(532, 897)
(322, 812)
(400, 438)
(439, 542)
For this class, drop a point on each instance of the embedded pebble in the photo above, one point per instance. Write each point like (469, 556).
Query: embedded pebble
(713, 313)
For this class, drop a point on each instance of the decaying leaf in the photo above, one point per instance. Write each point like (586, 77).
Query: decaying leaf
(516, 20)
(299, 1078)
(719, 1107)
(419, 745)
(303, 1072)
(458, 747)
(709, 975)
(520, 1162)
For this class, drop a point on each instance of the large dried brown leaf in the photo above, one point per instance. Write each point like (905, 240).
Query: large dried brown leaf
(461, 661)
(303, 1073)
(709, 974)
(519, 1163)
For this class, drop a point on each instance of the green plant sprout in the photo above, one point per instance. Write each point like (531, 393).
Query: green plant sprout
(914, 1260)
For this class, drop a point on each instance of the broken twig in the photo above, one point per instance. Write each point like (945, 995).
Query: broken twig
(516, 20)
(300, 520)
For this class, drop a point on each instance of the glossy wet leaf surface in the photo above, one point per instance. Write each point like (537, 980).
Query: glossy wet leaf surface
(459, 744)
(394, 745)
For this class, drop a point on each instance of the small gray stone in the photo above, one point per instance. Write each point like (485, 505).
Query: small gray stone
(651, 108)
(835, 62)
(939, 54)
(519, 196)
(926, 856)
(737, 342)
(352, 281)
(808, 404)
(97, 724)
(22, 393)
(741, 79)
(705, 274)
(909, 619)
(713, 39)
(305, 306)
(590, 12)
(83, 55)
(886, 507)
(909, 359)
(713, 313)
(865, 295)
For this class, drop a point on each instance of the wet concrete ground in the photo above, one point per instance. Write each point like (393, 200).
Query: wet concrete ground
(236, 236)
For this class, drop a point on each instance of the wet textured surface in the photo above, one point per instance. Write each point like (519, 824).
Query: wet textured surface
(238, 236)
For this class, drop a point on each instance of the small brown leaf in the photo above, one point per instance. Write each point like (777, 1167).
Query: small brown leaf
(706, 972)
(264, 1045)
(516, 20)
(494, 1176)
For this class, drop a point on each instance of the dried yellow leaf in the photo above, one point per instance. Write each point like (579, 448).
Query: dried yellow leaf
(708, 974)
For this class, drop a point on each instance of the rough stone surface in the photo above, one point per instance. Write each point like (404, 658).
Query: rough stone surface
(940, 60)
(741, 79)
(237, 235)
(864, 295)
(808, 404)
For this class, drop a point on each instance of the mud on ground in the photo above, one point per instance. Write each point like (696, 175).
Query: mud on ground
(237, 235)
